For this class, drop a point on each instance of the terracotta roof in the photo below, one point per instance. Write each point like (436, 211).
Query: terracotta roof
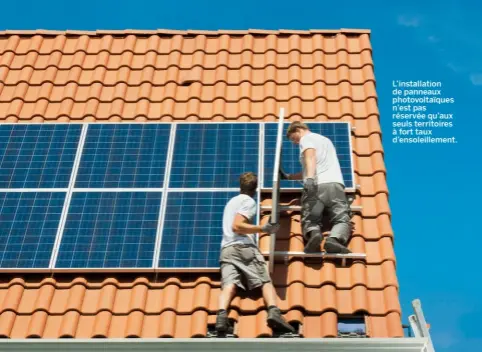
(164, 75)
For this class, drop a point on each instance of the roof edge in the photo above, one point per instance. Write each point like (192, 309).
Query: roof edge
(408, 344)
(190, 32)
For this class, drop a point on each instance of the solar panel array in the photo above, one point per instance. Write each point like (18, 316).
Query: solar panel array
(104, 196)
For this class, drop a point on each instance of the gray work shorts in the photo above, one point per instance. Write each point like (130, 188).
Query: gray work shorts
(243, 265)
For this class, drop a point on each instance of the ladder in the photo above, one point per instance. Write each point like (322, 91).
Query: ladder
(419, 324)
(276, 208)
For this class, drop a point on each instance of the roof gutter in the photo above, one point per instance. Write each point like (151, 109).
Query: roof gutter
(220, 344)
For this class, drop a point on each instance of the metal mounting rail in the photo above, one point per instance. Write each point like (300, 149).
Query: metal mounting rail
(354, 208)
(275, 213)
(322, 255)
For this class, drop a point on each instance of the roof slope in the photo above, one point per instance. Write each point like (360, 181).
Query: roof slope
(205, 76)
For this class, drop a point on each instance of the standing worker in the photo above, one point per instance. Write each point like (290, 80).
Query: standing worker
(242, 264)
(323, 190)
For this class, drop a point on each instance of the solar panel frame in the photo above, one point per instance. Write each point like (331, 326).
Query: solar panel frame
(275, 195)
(260, 176)
(68, 197)
(162, 212)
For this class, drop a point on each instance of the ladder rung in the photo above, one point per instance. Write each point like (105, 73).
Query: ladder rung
(354, 208)
(317, 255)
(348, 190)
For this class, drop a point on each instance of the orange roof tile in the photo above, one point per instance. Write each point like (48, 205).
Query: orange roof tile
(166, 75)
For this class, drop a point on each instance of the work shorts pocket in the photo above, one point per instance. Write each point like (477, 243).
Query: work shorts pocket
(247, 254)
(259, 257)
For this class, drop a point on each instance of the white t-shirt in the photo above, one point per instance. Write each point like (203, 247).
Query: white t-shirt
(327, 164)
(241, 204)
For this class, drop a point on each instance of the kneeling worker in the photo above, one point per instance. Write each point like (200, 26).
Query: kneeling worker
(241, 261)
(323, 190)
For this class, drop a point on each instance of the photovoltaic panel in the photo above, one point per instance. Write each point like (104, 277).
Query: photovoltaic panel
(214, 155)
(192, 232)
(123, 156)
(110, 230)
(338, 133)
(28, 227)
(37, 156)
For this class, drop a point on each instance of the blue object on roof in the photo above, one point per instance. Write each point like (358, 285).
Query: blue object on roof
(37, 156)
(192, 231)
(28, 227)
(110, 230)
(124, 156)
(214, 155)
(338, 132)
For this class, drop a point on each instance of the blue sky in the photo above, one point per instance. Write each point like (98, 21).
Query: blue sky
(434, 189)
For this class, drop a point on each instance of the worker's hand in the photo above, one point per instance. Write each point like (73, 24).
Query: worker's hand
(310, 186)
(270, 228)
(283, 175)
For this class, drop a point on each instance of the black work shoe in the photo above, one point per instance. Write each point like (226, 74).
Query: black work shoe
(277, 322)
(332, 246)
(222, 322)
(314, 242)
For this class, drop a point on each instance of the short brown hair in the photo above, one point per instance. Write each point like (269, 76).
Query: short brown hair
(294, 126)
(248, 182)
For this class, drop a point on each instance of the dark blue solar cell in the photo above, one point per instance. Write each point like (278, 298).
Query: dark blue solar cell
(214, 155)
(338, 133)
(110, 230)
(37, 156)
(192, 232)
(28, 227)
(124, 156)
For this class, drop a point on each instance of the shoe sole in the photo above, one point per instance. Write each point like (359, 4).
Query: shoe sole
(313, 244)
(335, 248)
(277, 325)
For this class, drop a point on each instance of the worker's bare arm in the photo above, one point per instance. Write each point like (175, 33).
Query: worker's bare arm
(310, 162)
(243, 227)
(294, 177)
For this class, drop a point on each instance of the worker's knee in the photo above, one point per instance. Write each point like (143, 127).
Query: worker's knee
(312, 211)
(341, 219)
(341, 213)
(229, 289)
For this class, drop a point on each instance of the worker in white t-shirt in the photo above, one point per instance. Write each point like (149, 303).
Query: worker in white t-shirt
(242, 264)
(323, 191)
